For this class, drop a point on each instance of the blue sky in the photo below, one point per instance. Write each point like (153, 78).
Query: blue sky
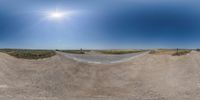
(100, 24)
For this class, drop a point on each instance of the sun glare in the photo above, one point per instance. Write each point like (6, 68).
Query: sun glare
(57, 15)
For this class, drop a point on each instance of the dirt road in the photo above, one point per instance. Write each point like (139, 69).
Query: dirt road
(148, 77)
(97, 58)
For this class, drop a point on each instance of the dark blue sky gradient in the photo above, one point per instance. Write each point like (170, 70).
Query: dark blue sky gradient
(103, 24)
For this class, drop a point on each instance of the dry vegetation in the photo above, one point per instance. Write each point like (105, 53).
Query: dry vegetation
(120, 51)
(173, 52)
(181, 52)
(29, 54)
(74, 51)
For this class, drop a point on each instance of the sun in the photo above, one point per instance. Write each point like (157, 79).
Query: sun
(61, 15)
(57, 15)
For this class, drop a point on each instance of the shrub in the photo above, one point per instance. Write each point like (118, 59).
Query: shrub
(198, 49)
(152, 52)
(181, 52)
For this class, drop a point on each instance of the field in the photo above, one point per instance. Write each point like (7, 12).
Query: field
(172, 52)
(120, 51)
(181, 52)
(29, 54)
(74, 51)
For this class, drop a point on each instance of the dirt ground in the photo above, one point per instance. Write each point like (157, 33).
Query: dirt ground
(148, 77)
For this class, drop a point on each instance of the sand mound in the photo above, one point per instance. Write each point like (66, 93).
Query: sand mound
(149, 77)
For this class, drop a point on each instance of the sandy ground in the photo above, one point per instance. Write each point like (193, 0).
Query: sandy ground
(148, 77)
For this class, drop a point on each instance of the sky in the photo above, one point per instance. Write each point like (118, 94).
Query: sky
(99, 24)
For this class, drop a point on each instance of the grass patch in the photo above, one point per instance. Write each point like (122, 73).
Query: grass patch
(29, 54)
(120, 51)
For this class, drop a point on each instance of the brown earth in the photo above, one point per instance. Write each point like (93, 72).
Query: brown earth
(149, 77)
